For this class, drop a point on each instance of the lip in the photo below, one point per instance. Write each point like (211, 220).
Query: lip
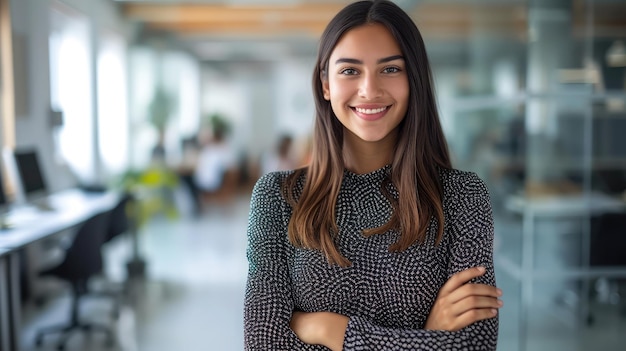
(370, 117)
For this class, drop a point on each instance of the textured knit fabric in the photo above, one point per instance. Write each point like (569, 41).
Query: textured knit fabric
(386, 295)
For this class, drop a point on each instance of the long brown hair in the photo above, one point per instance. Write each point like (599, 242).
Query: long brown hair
(420, 152)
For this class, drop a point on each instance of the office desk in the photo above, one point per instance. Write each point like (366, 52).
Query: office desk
(4, 299)
(563, 206)
(70, 209)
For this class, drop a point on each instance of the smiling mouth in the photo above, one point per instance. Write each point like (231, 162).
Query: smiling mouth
(370, 111)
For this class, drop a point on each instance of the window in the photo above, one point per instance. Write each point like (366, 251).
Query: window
(112, 104)
(70, 89)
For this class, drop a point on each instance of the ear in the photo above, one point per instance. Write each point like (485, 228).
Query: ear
(325, 88)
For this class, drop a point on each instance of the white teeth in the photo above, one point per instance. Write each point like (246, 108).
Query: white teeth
(370, 111)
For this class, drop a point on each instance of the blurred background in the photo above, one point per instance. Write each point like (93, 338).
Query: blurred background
(184, 104)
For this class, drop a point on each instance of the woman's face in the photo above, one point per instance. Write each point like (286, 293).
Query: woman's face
(367, 84)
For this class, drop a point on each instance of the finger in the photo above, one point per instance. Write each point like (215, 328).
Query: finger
(473, 316)
(461, 278)
(474, 302)
(473, 290)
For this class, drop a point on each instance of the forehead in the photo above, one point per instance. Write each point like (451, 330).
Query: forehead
(369, 40)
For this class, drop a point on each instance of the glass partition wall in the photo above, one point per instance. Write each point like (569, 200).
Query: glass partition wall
(533, 99)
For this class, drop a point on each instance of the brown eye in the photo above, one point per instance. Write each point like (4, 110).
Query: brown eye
(391, 69)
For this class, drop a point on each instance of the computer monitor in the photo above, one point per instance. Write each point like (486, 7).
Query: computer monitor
(4, 204)
(30, 176)
(3, 195)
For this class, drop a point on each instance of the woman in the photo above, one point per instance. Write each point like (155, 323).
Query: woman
(378, 244)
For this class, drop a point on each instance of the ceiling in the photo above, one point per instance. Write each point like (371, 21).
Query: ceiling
(216, 30)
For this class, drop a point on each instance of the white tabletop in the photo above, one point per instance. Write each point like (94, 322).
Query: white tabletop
(69, 208)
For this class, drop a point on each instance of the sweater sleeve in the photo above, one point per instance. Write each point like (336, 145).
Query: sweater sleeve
(471, 245)
(268, 301)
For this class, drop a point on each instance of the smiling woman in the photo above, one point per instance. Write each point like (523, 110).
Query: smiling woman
(378, 244)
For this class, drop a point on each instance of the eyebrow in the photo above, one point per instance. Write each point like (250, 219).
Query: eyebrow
(359, 62)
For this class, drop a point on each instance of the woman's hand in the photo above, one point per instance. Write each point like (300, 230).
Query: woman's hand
(320, 328)
(460, 303)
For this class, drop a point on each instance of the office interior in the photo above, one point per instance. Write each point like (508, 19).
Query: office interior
(108, 97)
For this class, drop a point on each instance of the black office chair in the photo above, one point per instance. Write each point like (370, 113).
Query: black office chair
(607, 248)
(82, 261)
(118, 223)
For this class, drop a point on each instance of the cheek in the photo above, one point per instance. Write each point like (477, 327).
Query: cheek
(401, 95)
(340, 89)
(337, 107)
(400, 90)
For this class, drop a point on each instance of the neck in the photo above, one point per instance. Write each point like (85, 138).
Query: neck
(362, 157)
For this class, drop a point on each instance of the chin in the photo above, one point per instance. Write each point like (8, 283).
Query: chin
(372, 138)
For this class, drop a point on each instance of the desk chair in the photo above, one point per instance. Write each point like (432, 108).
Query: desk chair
(118, 223)
(607, 248)
(82, 261)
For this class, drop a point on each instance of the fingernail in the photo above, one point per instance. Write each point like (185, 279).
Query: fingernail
(499, 291)
(494, 311)
(500, 303)
(481, 269)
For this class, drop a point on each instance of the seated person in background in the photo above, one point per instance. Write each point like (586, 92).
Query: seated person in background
(281, 158)
(216, 170)
(187, 169)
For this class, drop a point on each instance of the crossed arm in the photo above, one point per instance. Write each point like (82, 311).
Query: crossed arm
(458, 304)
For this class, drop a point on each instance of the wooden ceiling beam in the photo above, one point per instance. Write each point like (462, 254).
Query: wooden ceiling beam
(221, 13)
(239, 28)
(438, 20)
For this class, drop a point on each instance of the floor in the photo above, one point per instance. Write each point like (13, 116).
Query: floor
(192, 298)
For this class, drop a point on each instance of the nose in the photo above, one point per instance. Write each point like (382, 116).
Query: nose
(370, 87)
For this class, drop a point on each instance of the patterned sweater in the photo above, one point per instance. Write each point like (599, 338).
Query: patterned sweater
(386, 295)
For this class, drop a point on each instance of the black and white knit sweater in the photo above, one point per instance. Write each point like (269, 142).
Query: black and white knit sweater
(386, 295)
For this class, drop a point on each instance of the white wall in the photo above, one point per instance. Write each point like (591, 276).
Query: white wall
(294, 96)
